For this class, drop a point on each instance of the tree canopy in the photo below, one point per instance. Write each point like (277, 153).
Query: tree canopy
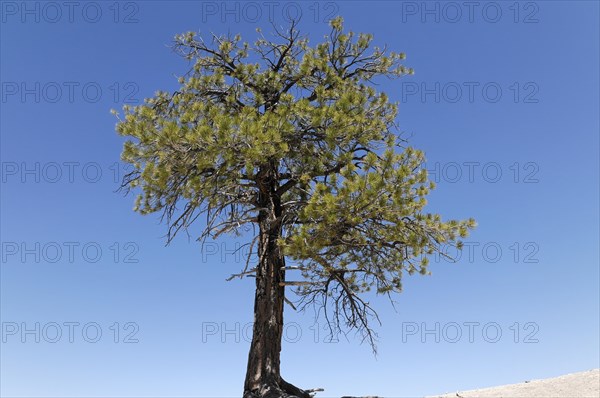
(298, 140)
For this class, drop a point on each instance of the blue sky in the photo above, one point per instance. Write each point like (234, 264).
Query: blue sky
(504, 102)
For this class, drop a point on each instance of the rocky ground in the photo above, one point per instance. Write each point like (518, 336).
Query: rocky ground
(575, 385)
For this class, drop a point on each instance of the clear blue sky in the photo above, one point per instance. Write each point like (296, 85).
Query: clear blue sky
(504, 102)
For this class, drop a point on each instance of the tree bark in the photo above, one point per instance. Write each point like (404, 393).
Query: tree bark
(263, 376)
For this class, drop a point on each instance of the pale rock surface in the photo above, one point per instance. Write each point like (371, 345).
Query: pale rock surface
(575, 385)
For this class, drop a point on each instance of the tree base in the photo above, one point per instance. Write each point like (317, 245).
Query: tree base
(283, 390)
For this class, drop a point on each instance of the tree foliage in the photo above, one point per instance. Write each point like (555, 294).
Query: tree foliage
(301, 135)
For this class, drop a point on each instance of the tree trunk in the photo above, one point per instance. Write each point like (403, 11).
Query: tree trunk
(263, 377)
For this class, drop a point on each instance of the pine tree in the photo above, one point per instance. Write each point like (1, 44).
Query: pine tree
(295, 140)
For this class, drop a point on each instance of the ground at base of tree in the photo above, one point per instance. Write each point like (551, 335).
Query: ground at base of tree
(576, 385)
